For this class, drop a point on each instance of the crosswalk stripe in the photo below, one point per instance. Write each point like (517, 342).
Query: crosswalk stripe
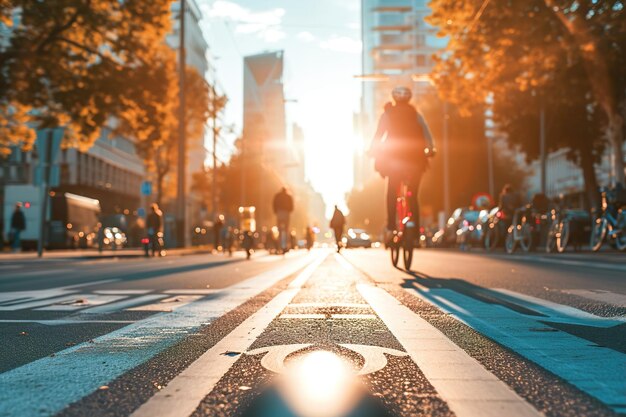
(126, 303)
(577, 361)
(81, 369)
(168, 304)
(183, 394)
(466, 386)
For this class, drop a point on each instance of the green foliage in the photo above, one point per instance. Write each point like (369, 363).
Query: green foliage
(81, 63)
(527, 55)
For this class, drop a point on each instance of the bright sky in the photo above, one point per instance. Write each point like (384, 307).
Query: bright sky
(321, 40)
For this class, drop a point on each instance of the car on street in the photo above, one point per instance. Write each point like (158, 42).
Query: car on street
(357, 238)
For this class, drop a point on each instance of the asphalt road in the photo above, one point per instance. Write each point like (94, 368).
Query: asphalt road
(460, 334)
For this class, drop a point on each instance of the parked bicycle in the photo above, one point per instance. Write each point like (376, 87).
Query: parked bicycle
(496, 229)
(529, 226)
(567, 227)
(610, 225)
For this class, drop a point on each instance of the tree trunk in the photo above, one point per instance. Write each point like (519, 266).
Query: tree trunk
(159, 187)
(590, 178)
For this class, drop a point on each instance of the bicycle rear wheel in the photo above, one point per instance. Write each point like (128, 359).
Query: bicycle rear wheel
(408, 244)
(395, 253)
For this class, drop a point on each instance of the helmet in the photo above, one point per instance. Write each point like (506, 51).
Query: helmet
(401, 94)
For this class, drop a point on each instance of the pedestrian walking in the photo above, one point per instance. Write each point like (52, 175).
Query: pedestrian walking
(283, 206)
(217, 232)
(337, 223)
(18, 225)
(154, 224)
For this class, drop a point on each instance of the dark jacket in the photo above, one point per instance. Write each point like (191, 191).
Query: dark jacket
(153, 222)
(402, 152)
(338, 221)
(282, 202)
(18, 220)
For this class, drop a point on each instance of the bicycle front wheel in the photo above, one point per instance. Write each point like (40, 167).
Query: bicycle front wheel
(394, 248)
(562, 238)
(598, 233)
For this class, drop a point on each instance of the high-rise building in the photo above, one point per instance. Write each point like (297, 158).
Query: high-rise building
(398, 46)
(264, 125)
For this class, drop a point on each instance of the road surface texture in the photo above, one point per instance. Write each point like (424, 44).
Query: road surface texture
(462, 334)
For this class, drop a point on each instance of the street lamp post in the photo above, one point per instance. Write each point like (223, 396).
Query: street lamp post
(180, 194)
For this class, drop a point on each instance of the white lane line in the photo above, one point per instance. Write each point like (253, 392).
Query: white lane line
(461, 381)
(82, 301)
(122, 292)
(200, 291)
(606, 297)
(81, 367)
(313, 316)
(597, 371)
(168, 304)
(558, 313)
(328, 305)
(38, 303)
(303, 316)
(183, 394)
(120, 305)
(64, 321)
(353, 316)
(9, 296)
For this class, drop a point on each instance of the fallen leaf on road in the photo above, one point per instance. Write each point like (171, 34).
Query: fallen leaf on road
(23, 334)
(104, 387)
(231, 353)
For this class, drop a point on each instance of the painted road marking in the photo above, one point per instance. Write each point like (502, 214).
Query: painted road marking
(81, 301)
(308, 316)
(187, 291)
(64, 321)
(606, 297)
(596, 371)
(168, 304)
(81, 367)
(466, 386)
(183, 394)
(122, 292)
(16, 297)
(558, 313)
(120, 305)
(328, 305)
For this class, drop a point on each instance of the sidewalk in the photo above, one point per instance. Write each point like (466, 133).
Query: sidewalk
(88, 254)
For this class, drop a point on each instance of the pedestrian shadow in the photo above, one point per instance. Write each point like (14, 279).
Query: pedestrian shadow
(177, 270)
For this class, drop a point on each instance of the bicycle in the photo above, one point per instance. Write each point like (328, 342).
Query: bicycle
(611, 224)
(568, 226)
(405, 235)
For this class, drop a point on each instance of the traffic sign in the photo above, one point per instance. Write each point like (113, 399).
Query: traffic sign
(146, 188)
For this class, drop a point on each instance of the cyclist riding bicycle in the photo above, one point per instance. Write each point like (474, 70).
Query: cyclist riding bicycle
(402, 155)
(283, 206)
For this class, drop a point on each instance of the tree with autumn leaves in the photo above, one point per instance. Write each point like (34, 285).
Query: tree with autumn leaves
(87, 65)
(563, 56)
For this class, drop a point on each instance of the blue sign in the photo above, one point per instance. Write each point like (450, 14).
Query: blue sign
(146, 188)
